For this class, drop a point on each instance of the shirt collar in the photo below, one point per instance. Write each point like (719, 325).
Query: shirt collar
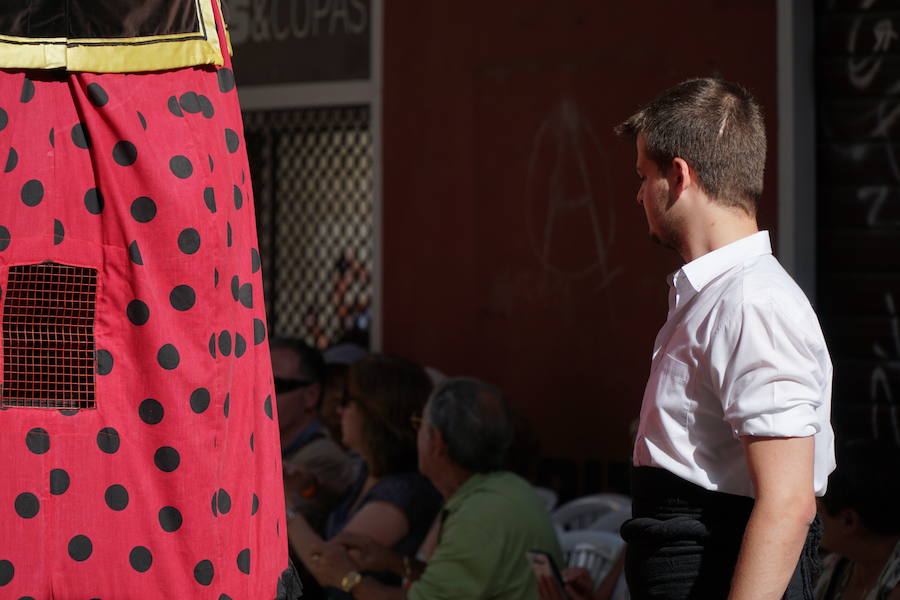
(695, 275)
(472, 484)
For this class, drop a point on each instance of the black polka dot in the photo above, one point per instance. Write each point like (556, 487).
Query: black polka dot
(224, 597)
(238, 198)
(97, 95)
(212, 165)
(206, 107)
(182, 297)
(80, 136)
(240, 345)
(134, 253)
(125, 153)
(4, 238)
(232, 141)
(190, 103)
(212, 345)
(245, 295)
(4, 119)
(267, 406)
(32, 192)
(215, 508)
(7, 572)
(93, 201)
(71, 412)
(215, 277)
(104, 362)
(142, 120)
(226, 80)
(225, 343)
(27, 505)
(138, 312)
(189, 241)
(168, 357)
(226, 405)
(52, 137)
(166, 459)
(200, 399)
(203, 572)
(228, 234)
(235, 287)
(80, 548)
(28, 90)
(38, 440)
(259, 331)
(181, 167)
(209, 198)
(252, 436)
(140, 558)
(151, 411)
(59, 482)
(143, 209)
(170, 519)
(223, 502)
(254, 504)
(243, 561)
(116, 497)
(174, 108)
(254, 260)
(59, 232)
(12, 159)
(108, 440)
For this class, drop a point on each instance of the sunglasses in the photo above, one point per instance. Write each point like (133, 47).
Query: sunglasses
(284, 385)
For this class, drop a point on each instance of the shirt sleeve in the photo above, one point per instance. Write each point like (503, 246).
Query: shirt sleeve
(459, 569)
(767, 373)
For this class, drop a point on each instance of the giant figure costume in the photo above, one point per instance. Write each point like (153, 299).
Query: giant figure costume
(140, 449)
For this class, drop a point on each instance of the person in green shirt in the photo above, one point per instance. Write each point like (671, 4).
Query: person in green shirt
(490, 520)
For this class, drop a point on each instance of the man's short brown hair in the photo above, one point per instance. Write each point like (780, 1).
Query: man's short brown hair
(717, 128)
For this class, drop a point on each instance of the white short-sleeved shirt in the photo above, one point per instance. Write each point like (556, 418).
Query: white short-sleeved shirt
(741, 353)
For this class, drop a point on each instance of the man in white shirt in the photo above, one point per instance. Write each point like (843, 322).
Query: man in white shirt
(735, 440)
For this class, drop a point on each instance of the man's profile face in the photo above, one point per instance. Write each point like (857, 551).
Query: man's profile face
(653, 195)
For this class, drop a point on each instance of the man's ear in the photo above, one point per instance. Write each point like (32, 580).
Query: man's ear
(438, 444)
(311, 397)
(680, 177)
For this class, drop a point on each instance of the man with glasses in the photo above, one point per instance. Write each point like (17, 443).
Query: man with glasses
(317, 471)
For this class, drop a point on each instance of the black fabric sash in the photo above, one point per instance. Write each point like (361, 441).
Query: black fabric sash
(683, 541)
(89, 19)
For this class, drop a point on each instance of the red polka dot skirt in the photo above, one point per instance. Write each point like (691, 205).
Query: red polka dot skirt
(139, 446)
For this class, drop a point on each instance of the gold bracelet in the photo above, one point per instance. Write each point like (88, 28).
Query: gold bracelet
(350, 581)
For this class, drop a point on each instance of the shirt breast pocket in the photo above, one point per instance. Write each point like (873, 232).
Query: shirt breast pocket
(672, 397)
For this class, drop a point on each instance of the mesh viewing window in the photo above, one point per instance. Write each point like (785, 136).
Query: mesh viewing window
(313, 180)
(48, 337)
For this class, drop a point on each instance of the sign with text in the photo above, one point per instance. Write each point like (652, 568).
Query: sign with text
(300, 41)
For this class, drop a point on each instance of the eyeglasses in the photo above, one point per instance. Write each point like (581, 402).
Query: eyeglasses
(284, 385)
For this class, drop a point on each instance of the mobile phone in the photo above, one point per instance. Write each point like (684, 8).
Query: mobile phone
(543, 565)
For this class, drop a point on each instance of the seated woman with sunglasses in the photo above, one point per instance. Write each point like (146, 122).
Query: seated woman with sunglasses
(390, 502)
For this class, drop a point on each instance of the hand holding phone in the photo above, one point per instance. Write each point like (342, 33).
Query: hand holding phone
(550, 582)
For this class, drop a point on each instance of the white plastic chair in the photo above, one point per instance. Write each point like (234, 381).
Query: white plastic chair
(596, 551)
(603, 512)
(547, 496)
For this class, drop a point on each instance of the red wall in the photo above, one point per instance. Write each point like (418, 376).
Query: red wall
(498, 114)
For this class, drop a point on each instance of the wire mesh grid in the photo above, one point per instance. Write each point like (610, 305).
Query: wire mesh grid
(48, 337)
(313, 180)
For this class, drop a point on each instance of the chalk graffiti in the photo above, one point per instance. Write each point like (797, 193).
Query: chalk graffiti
(880, 387)
(568, 178)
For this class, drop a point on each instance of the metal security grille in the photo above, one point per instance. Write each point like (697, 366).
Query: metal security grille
(313, 181)
(48, 337)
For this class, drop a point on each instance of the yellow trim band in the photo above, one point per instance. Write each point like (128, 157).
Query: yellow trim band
(118, 55)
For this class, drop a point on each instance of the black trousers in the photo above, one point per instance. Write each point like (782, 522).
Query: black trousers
(683, 541)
